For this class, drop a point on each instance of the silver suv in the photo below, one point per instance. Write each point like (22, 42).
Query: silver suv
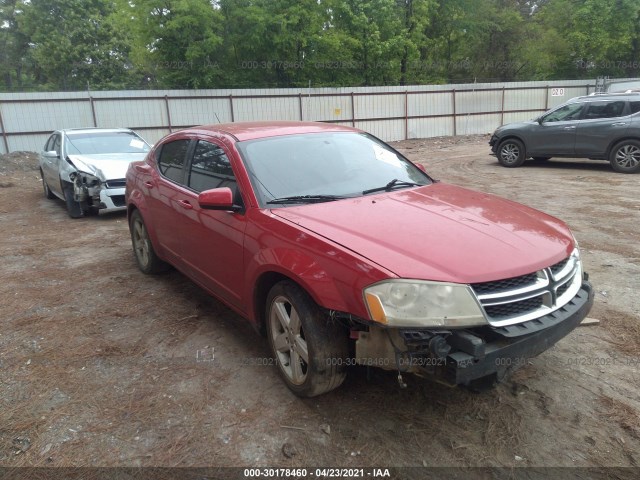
(597, 127)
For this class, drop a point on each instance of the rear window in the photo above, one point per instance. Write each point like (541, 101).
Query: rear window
(635, 107)
(172, 159)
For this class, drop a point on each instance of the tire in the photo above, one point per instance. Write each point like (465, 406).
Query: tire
(146, 258)
(625, 157)
(310, 349)
(511, 153)
(74, 209)
(47, 191)
(540, 159)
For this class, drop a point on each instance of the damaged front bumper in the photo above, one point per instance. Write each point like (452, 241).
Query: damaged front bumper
(103, 196)
(460, 357)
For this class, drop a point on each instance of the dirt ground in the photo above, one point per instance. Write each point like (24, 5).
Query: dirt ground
(101, 365)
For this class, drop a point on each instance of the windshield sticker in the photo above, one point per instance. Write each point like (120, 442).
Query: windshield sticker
(386, 156)
(135, 143)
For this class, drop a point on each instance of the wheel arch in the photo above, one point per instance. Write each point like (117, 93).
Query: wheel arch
(263, 285)
(512, 136)
(133, 207)
(614, 143)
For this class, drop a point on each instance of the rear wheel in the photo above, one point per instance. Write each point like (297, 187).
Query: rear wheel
(310, 349)
(625, 157)
(511, 153)
(146, 258)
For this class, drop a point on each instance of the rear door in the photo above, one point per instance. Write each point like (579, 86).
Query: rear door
(556, 133)
(602, 124)
(165, 192)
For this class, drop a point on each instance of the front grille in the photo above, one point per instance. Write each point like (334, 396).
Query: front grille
(533, 295)
(118, 183)
(562, 289)
(508, 310)
(557, 268)
(505, 285)
(118, 200)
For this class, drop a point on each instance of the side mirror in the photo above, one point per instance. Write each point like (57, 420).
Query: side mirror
(217, 199)
(51, 154)
(421, 167)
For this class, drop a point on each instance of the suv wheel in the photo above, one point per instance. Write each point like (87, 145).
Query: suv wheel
(625, 157)
(511, 153)
(309, 348)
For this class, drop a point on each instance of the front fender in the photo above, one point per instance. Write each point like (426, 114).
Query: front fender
(333, 276)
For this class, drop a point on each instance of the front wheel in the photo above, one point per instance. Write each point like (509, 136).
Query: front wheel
(74, 209)
(309, 348)
(511, 153)
(47, 191)
(625, 157)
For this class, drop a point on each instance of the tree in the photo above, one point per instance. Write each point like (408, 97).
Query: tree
(591, 37)
(178, 42)
(73, 43)
(13, 44)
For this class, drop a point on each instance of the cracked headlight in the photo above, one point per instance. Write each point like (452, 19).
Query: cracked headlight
(417, 303)
(88, 180)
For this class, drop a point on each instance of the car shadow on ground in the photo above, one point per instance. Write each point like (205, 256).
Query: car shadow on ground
(571, 164)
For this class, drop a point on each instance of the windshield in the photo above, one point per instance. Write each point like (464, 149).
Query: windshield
(325, 166)
(104, 142)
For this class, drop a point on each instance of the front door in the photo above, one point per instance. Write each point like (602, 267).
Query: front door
(212, 240)
(556, 132)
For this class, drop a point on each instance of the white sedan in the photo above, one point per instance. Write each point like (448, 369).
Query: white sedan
(86, 167)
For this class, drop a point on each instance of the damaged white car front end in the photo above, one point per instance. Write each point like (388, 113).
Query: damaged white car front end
(87, 167)
(99, 181)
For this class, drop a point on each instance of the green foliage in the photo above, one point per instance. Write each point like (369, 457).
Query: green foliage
(75, 44)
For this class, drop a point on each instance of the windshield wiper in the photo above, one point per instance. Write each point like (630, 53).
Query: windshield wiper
(305, 199)
(391, 185)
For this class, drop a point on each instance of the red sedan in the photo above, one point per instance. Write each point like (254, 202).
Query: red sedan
(344, 252)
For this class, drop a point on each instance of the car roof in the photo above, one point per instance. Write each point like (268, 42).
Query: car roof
(78, 131)
(242, 131)
(598, 97)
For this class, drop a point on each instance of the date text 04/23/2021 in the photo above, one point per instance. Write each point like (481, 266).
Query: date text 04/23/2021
(317, 473)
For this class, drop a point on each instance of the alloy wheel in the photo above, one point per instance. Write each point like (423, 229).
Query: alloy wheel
(288, 340)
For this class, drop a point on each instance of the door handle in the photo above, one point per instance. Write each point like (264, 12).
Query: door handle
(570, 128)
(185, 204)
(619, 124)
(149, 184)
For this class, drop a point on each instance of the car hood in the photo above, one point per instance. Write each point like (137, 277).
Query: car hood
(105, 166)
(440, 232)
(515, 126)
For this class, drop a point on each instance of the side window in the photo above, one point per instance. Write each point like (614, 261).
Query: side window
(210, 168)
(604, 110)
(56, 144)
(172, 157)
(635, 107)
(564, 114)
(48, 146)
